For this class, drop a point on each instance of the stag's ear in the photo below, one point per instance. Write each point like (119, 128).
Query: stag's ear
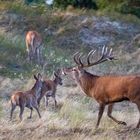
(35, 77)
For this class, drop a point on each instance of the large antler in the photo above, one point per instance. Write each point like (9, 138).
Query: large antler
(105, 56)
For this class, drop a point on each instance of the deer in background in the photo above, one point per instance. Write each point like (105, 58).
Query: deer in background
(34, 46)
(27, 99)
(106, 90)
(49, 90)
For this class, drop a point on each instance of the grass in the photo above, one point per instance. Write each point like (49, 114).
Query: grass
(73, 120)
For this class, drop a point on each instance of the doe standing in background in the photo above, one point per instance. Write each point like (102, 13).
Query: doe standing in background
(107, 90)
(34, 46)
(27, 99)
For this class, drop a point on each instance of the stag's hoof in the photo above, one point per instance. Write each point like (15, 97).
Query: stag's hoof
(123, 123)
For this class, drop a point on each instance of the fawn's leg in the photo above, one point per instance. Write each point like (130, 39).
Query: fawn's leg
(12, 110)
(21, 112)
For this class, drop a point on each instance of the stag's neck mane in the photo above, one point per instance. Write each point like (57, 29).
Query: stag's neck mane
(87, 81)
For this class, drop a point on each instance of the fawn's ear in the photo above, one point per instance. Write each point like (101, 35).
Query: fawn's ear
(39, 76)
(35, 77)
(55, 74)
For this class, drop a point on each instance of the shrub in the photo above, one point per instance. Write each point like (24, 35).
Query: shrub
(76, 3)
(123, 6)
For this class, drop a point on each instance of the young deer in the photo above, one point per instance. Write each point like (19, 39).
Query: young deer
(34, 46)
(27, 99)
(107, 90)
(50, 89)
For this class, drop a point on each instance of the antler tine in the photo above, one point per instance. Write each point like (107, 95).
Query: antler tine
(80, 61)
(106, 55)
(104, 52)
(110, 53)
(75, 58)
(90, 54)
(103, 49)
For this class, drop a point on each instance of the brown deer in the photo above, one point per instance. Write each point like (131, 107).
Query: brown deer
(107, 90)
(27, 99)
(50, 87)
(34, 46)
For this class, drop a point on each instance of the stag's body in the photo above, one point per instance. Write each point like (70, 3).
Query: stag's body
(110, 89)
(107, 90)
(34, 46)
(50, 89)
(26, 99)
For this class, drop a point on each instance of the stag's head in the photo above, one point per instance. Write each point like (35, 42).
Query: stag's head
(78, 70)
(57, 77)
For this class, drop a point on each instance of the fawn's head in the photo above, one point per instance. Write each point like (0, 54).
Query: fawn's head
(57, 77)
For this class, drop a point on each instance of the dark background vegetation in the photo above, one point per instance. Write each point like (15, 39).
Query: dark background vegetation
(122, 6)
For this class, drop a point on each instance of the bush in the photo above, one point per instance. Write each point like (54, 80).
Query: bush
(76, 3)
(130, 7)
(123, 6)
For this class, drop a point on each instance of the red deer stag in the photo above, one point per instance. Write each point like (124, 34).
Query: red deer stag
(49, 90)
(27, 99)
(34, 46)
(107, 90)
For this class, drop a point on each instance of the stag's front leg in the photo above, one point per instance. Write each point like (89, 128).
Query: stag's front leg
(109, 112)
(101, 110)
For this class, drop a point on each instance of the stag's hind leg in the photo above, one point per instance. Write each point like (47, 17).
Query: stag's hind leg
(138, 105)
(109, 112)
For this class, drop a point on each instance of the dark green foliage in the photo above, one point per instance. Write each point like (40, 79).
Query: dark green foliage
(131, 7)
(36, 1)
(123, 6)
(76, 3)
